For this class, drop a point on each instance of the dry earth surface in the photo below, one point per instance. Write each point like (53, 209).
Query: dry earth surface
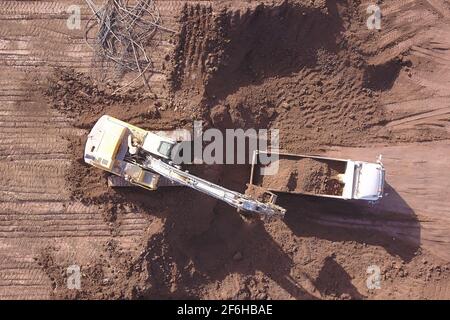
(311, 69)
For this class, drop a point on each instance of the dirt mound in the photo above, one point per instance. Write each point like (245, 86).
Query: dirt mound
(84, 99)
(304, 176)
(241, 48)
(75, 93)
(226, 49)
(288, 66)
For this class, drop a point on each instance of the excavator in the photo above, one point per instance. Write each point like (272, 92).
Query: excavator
(143, 158)
(138, 157)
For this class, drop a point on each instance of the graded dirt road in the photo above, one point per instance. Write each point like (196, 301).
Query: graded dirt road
(36, 210)
(309, 68)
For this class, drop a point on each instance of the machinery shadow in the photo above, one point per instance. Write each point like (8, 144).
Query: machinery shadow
(207, 243)
(333, 280)
(390, 223)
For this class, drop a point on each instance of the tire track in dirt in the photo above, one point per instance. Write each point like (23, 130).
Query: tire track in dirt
(404, 24)
(415, 172)
(441, 6)
(33, 40)
(431, 117)
(419, 33)
(33, 155)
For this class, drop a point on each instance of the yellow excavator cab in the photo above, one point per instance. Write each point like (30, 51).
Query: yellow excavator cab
(104, 142)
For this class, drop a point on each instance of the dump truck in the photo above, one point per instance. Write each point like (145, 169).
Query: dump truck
(318, 176)
(143, 158)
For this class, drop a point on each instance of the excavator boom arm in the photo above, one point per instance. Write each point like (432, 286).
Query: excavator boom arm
(233, 198)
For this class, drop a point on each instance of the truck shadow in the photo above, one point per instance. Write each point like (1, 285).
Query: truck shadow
(390, 223)
(207, 244)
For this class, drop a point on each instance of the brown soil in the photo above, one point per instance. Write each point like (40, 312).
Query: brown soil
(233, 70)
(304, 176)
(308, 68)
(311, 83)
(80, 97)
(258, 193)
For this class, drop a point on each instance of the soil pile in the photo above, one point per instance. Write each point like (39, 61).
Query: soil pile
(84, 99)
(290, 66)
(75, 93)
(304, 176)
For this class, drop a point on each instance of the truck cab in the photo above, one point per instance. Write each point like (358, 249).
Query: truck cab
(364, 181)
